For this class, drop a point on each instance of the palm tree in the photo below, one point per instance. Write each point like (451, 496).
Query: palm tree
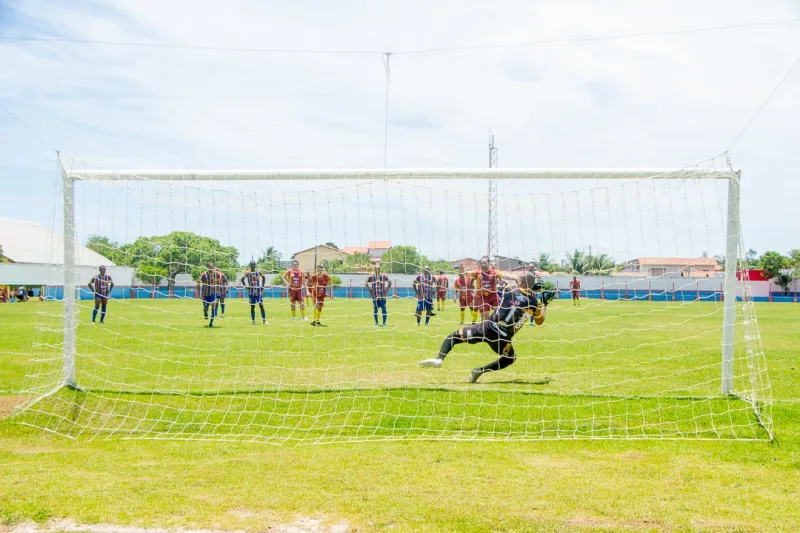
(784, 279)
(545, 262)
(599, 264)
(576, 262)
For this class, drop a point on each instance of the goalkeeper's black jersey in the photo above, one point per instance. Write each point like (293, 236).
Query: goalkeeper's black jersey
(511, 312)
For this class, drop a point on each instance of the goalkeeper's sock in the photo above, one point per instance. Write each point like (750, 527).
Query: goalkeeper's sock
(253, 313)
(448, 344)
(94, 314)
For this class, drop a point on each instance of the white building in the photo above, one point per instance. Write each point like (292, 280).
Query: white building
(36, 253)
(672, 266)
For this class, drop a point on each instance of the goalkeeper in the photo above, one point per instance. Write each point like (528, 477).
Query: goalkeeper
(499, 328)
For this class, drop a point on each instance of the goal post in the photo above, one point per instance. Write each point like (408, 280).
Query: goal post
(635, 362)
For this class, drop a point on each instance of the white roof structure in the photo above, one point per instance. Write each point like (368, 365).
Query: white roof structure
(27, 242)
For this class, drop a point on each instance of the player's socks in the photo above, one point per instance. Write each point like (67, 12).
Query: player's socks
(205, 311)
(223, 309)
(253, 313)
(294, 313)
(94, 314)
(263, 314)
(462, 316)
(418, 317)
(384, 316)
(102, 313)
(474, 316)
(427, 319)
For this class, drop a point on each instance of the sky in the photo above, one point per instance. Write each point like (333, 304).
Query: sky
(668, 100)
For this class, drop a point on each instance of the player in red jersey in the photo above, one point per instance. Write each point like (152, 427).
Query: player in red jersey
(318, 287)
(464, 287)
(575, 287)
(486, 279)
(295, 279)
(442, 284)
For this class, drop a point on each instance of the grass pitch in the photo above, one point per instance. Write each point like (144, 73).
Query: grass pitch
(290, 371)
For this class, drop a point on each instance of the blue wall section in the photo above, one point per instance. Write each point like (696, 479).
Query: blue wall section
(125, 293)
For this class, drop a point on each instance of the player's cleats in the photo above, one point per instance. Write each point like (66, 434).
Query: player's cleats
(474, 374)
(432, 363)
(265, 322)
(305, 318)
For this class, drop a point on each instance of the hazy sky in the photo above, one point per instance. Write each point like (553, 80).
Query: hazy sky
(647, 101)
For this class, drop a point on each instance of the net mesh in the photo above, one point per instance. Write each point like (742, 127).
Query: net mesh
(639, 356)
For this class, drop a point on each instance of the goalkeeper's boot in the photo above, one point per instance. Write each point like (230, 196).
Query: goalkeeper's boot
(432, 363)
(474, 374)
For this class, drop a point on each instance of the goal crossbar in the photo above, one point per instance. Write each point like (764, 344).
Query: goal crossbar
(403, 174)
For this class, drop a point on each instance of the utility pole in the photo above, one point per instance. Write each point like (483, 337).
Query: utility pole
(491, 241)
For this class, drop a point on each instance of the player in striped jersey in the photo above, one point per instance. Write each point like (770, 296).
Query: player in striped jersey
(211, 284)
(378, 286)
(101, 285)
(254, 281)
(425, 288)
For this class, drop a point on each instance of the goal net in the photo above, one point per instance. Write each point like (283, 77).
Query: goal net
(660, 339)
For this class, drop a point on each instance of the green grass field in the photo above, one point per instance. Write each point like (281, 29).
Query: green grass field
(644, 373)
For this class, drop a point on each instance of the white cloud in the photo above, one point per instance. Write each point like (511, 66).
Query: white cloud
(657, 101)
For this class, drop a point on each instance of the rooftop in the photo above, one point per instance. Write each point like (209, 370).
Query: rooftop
(28, 242)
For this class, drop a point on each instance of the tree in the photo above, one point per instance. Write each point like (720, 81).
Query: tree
(358, 260)
(784, 279)
(269, 260)
(332, 245)
(575, 263)
(401, 260)
(772, 263)
(794, 258)
(105, 247)
(704, 255)
(751, 256)
(545, 262)
(598, 264)
(179, 252)
(3, 258)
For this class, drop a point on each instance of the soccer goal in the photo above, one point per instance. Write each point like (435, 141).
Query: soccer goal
(652, 332)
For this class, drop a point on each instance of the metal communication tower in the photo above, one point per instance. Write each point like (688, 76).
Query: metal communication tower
(491, 241)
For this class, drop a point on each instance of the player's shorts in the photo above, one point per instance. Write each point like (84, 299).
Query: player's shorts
(210, 298)
(257, 298)
(221, 296)
(296, 296)
(466, 300)
(576, 294)
(319, 297)
(97, 296)
(497, 339)
(441, 295)
(487, 302)
(379, 303)
(424, 305)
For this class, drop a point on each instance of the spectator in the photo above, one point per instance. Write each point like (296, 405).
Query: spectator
(22, 294)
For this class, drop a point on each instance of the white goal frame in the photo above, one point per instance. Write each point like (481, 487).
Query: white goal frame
(733, 229)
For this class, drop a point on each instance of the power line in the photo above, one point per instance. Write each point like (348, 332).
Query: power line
(563, 40)
(764, 104)
(602, 37)
(31, 130)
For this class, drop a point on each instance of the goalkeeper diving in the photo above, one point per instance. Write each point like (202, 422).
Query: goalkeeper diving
(498, 329)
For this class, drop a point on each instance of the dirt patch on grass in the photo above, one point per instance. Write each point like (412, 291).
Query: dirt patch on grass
(301, 525)
(9, 403)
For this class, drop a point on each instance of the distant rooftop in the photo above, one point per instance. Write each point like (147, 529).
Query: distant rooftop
(28, 242)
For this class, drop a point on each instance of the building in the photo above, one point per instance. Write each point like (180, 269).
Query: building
(35, 257)
(467, 263)
(509, 264)
(672, 266)
(376, 249)
(311, 257)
